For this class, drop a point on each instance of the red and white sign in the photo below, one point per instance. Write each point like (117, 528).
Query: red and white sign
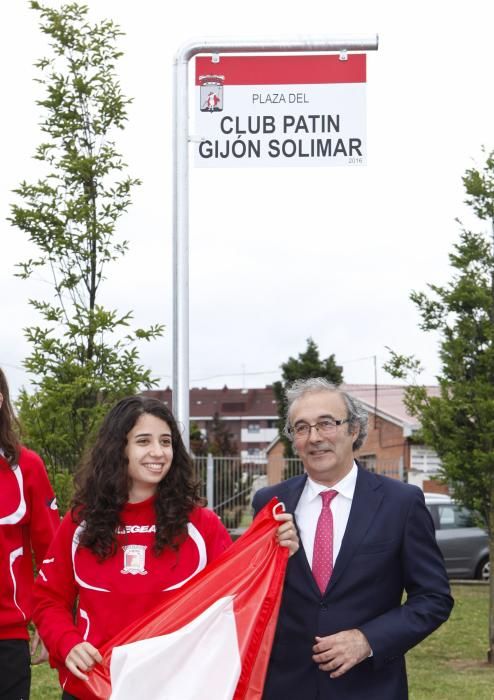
(302, 110)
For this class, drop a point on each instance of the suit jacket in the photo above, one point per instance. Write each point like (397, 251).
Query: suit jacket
(389, 547)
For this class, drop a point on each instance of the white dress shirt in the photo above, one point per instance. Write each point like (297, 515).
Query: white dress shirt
(309, 507)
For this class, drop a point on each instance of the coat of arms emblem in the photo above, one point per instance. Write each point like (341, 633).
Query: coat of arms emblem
(211, 93)
(134, 559)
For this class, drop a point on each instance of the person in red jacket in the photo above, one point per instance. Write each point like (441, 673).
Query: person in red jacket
(28, 521)
(136, 531)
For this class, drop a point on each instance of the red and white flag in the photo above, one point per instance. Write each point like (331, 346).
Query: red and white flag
(212, 638)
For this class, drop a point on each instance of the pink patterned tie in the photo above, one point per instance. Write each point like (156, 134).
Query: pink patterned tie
(322, 558)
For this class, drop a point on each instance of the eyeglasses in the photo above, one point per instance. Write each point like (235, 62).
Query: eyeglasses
(323, 427)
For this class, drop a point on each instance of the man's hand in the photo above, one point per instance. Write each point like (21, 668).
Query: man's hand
(37, 649)
(340, 652)
(287, 532)
(81, 658)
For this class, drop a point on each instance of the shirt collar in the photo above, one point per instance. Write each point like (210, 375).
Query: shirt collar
(345, 487)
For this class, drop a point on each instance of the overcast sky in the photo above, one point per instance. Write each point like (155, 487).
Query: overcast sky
(331, 253)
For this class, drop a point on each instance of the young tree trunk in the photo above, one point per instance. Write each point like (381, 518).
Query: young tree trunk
(490, 651)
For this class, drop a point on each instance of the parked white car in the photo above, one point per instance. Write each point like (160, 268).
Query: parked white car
(464, 545)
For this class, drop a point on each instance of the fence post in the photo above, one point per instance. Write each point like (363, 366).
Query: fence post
(210, 481)
(402, 474)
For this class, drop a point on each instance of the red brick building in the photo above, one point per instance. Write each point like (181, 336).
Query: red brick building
(252, 420)
(249, 413)
(390, 447)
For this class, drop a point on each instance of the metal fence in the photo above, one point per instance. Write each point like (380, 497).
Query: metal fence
(389, 467)
(292, 466)
(229, 484)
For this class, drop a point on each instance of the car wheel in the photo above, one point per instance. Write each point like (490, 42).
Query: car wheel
(483, 570)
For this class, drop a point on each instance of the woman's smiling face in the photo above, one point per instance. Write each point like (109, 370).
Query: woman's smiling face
(150, 454)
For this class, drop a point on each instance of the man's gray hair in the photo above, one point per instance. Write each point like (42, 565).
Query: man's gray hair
(356, 413)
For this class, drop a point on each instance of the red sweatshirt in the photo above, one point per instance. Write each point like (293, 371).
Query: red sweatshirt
(117, 591)
(28, 521)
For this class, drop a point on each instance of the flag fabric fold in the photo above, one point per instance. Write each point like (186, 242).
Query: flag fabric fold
(210, 638)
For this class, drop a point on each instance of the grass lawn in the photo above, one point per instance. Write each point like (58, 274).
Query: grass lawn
(44, 683)
(449, 665)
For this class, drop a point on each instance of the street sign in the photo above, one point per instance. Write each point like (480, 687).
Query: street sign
(271, 110)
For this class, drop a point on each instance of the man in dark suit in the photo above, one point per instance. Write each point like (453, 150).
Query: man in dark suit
(344, 627)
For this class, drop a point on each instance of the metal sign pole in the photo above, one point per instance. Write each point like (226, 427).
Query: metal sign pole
(180, 385)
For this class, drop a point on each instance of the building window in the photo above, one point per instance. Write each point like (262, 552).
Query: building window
(368, 462)
(254, 428)
(424, 459)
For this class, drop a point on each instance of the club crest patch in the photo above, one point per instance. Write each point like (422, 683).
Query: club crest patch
(134, 559)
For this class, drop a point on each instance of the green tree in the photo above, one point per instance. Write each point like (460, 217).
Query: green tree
(308, 364)
(231, 485)
(83, 356)
(459, 423)
(220, 441)
(198, 441)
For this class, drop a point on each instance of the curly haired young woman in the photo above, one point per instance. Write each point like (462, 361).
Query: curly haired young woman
(137, 529)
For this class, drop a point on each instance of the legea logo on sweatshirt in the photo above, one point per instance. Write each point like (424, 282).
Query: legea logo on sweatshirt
(133, 529)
